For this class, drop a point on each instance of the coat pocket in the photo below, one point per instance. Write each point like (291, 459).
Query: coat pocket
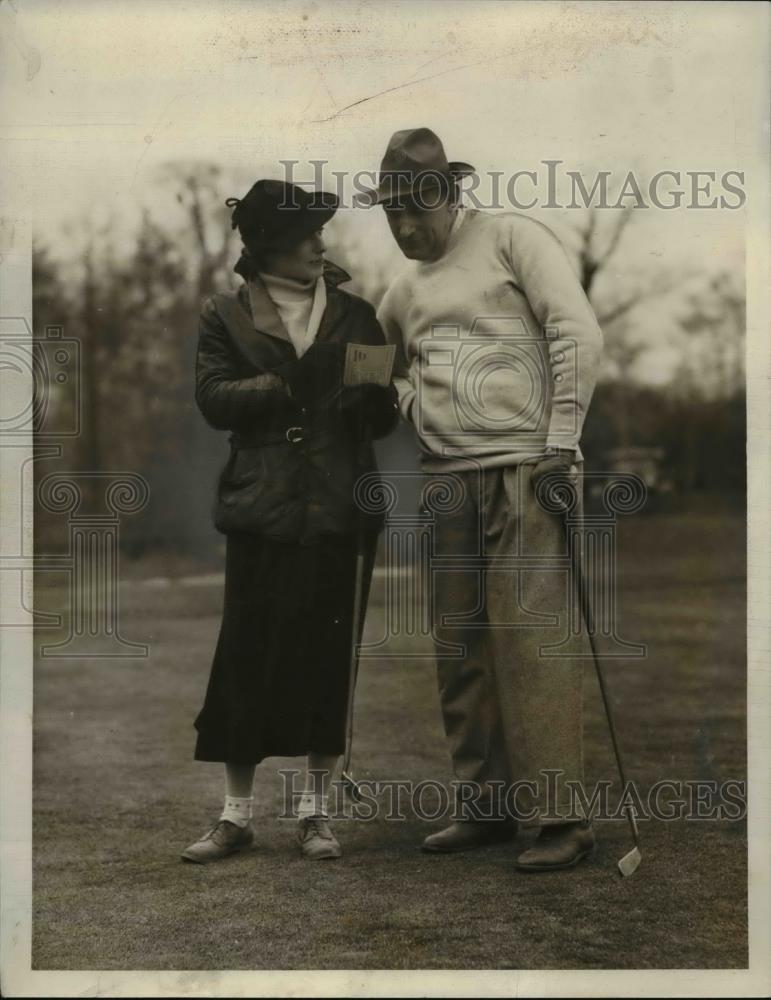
(248, 466)
(261, 490)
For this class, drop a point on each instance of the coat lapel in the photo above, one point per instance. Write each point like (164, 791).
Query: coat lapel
(253, 315)
(336, 301)
(265, 316)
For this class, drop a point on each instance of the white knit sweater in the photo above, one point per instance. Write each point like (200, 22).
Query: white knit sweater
(497, 347)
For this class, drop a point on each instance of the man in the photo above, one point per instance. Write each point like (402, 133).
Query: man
(497, 351)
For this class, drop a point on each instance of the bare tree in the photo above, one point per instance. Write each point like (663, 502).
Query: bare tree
(197, 188)
(599, 237)
(714, 325)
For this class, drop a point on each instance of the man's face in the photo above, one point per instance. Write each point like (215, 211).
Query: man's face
(421, 231)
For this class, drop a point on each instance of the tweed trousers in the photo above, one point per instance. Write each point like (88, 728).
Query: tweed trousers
(510, 667)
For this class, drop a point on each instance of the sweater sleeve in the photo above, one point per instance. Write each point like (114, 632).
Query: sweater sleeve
(389, 319)
(557, 300)
(226, 401)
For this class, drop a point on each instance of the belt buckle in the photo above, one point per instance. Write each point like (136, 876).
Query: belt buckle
(294, 434)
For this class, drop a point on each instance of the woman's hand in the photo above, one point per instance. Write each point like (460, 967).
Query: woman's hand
(315, 379)
(226, 399)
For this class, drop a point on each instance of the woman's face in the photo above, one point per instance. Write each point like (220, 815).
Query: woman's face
(303, 262)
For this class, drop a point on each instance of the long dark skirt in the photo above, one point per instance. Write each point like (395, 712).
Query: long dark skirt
(279, 681)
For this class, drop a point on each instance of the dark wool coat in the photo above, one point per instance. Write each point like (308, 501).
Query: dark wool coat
(299, 440)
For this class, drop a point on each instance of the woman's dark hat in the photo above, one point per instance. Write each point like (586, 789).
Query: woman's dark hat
(275, 215)
(414, 157)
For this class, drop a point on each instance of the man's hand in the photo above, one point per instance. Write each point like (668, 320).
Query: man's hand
(559, 465)
(373, 408)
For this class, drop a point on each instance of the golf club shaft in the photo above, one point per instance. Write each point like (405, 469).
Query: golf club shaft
(356, 623)
(575, 545)
(353, 669)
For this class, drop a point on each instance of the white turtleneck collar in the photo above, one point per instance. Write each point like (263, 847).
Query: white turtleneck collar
(287, 289)
(300, 304)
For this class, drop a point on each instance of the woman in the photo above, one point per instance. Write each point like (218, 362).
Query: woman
(270, 370)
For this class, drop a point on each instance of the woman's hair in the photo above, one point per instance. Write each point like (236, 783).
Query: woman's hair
(256, 258)
(251, 261)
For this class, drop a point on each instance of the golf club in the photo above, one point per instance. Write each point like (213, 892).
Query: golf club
(553, 493)
(349, 782)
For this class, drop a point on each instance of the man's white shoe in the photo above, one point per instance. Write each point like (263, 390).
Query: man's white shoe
(317, 841)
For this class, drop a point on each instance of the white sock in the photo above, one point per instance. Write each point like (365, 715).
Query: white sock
(238, 811)
(312, 805)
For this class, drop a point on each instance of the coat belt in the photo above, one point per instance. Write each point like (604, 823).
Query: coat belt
(293, 433)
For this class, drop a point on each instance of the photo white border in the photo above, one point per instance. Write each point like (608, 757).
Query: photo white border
(16, 706)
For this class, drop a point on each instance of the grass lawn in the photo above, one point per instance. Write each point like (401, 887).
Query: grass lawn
(117, 796)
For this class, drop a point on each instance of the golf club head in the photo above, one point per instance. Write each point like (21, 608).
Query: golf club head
(350, 786)
(629, 864)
